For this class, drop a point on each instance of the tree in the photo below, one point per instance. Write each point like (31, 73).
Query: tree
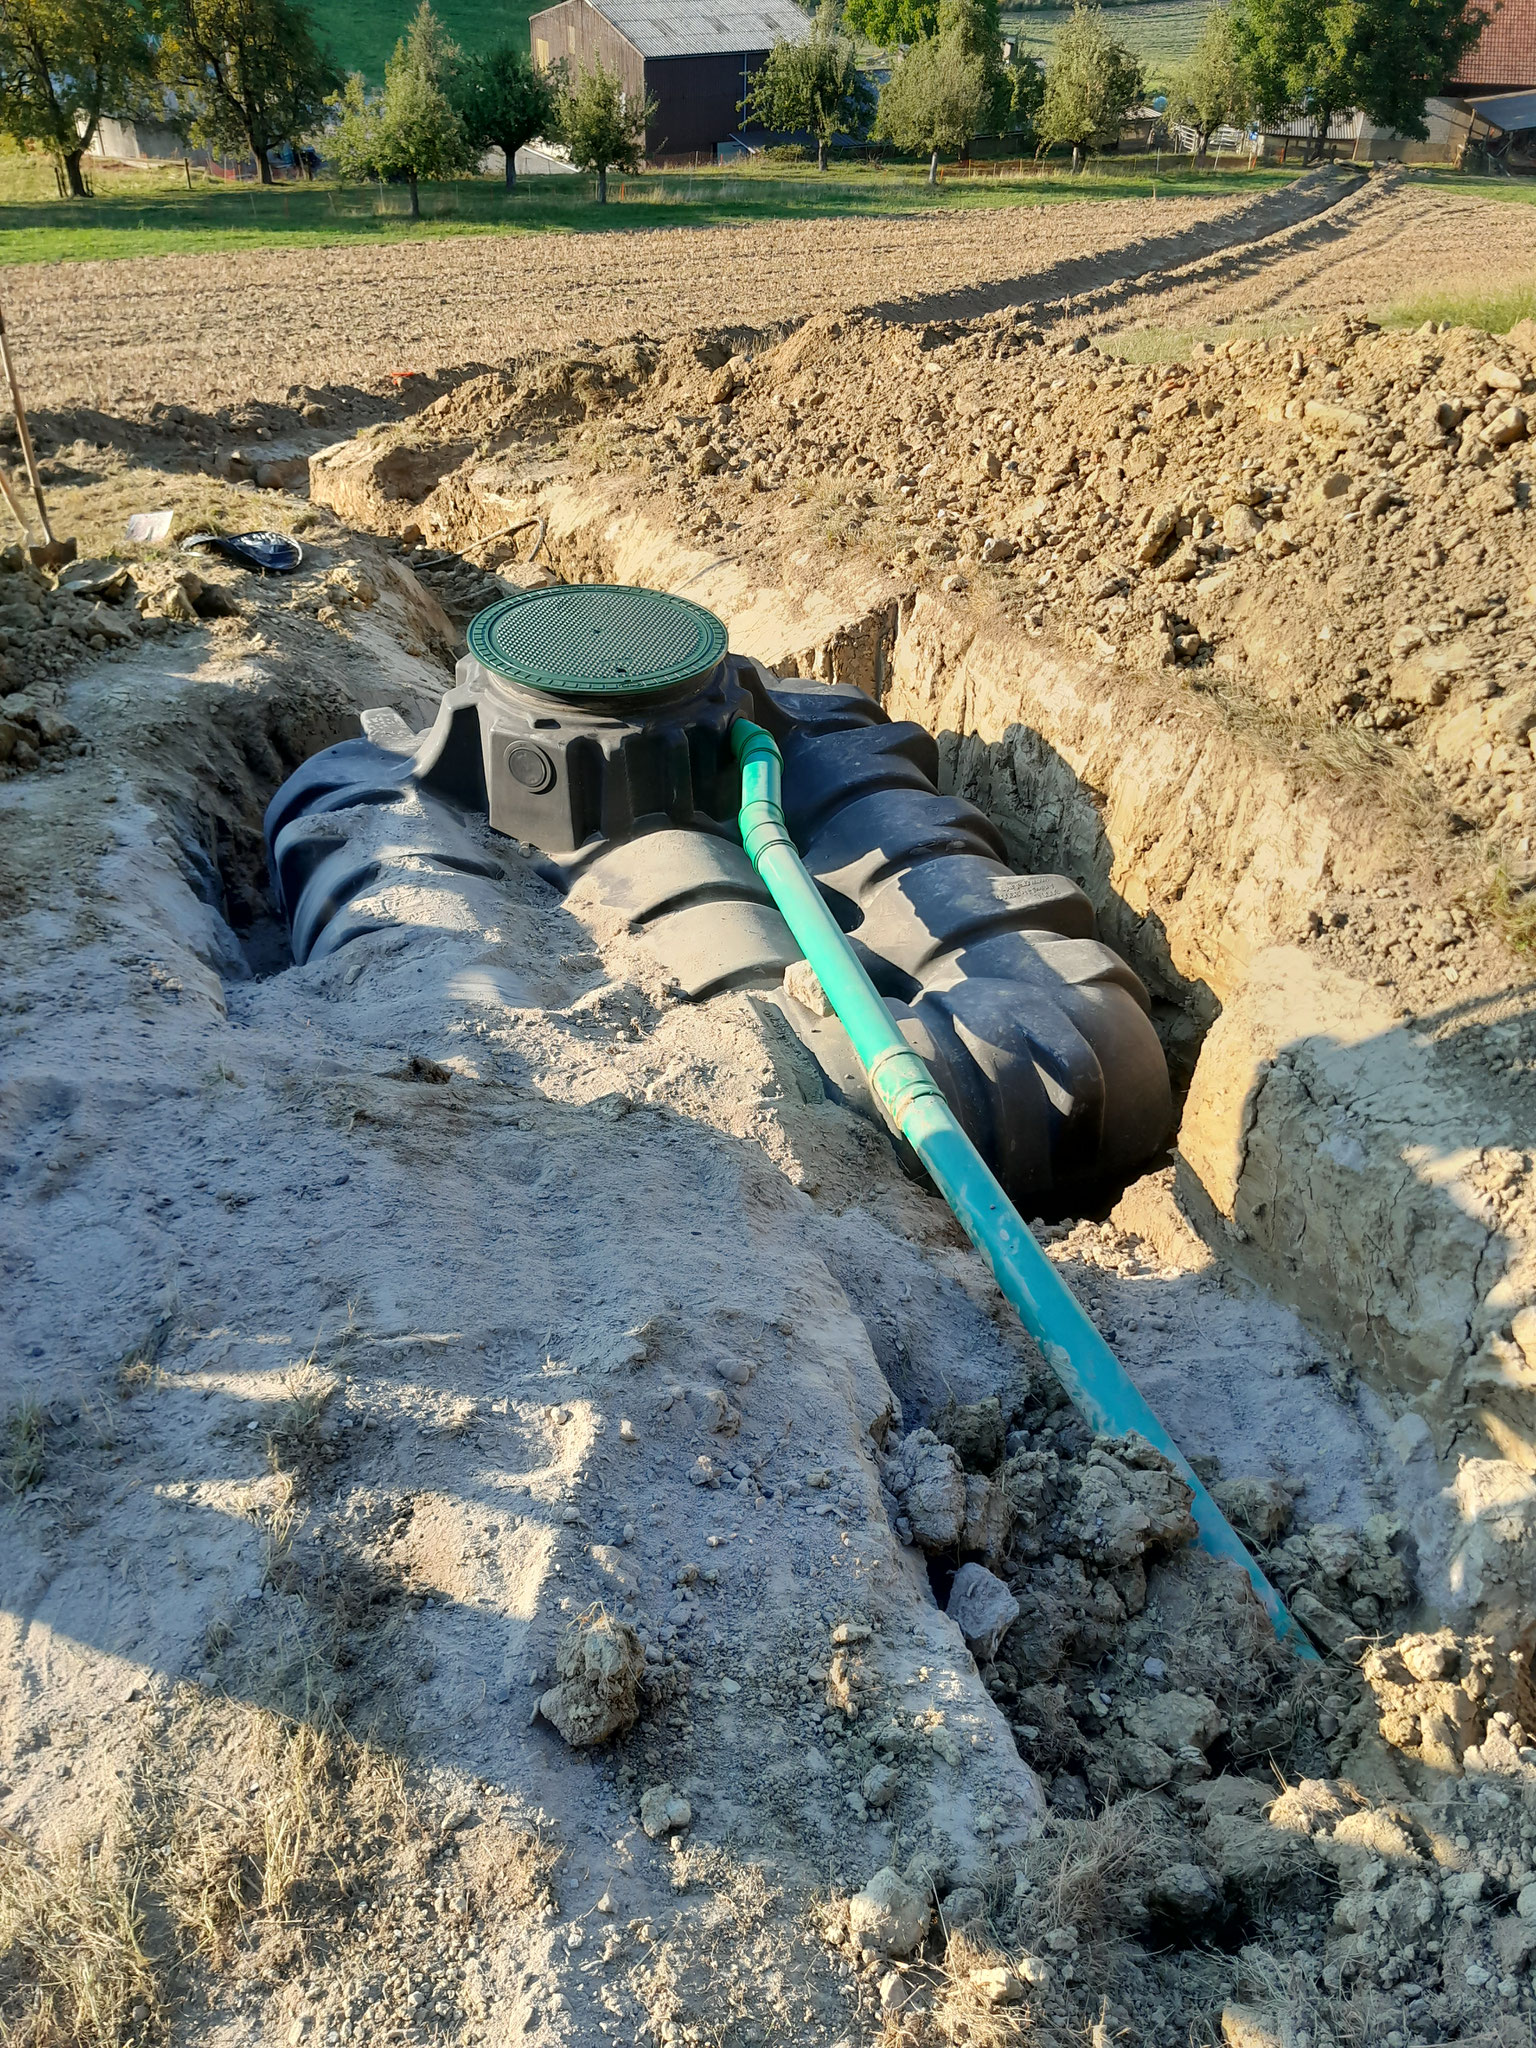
(600, 125)
(972, 26)
(503, 102)
(353, 144)
(1091, 83)
(952, 86)
(934, 100)
(1028, 83)
(949, 87)
(65, 63)
(892, 23)
(1318, 59)
(1212, 90)
(248, 74)
(1402, 56)
(1285, 50)
(411, 129)
(816, 84)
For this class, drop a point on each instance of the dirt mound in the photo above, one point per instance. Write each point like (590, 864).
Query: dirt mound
(1329, 529)
(1331, 524)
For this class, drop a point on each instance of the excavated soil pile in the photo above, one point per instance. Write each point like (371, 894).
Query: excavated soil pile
(1322, 524)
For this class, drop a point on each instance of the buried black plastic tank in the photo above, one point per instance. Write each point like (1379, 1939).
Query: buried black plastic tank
(592, 723)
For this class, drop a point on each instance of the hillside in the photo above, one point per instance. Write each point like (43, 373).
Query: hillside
(1160, 32)
(361, 33)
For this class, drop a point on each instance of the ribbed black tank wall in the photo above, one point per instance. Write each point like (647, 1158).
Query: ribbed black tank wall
(1038, 1034)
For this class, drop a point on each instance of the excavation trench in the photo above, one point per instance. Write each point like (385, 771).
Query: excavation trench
(485, 1282)
(1333, 1148)
(647, 1370)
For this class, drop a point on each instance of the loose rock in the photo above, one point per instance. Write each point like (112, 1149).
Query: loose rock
(888, 1916)
(983, 1609)
(599, 1664)
(664, 1812)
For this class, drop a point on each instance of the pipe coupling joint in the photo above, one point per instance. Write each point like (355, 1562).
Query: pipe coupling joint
(901, 1080)
(762, 829)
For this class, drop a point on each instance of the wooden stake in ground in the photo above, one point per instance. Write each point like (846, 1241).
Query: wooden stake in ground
(53, 551)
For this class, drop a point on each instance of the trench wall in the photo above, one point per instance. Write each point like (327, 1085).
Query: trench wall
(1338, 1154)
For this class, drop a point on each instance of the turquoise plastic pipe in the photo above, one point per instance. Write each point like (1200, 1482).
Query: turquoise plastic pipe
(1093, 1377)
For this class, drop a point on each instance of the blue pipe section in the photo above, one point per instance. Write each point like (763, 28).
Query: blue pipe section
(1094, 1379)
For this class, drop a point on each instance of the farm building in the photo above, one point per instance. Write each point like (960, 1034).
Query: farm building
(1487, 108)
(1353, 137)
(1495, 87)
(134, 139)
(693, 57)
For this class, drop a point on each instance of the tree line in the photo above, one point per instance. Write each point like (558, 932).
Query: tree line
(238, 76)
(953, 77)
(241, 77)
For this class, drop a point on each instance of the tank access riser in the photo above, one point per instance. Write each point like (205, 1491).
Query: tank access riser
(593, 725)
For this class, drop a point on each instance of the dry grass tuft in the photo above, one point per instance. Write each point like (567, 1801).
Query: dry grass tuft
(137, 1373)
(509, 1869)
(308, 1391)
(1512, 910)
(300, 1814)
(962, 2014)
(243, 1826)
(74, 1972)
(228, 1853)
(139, 1366)
(99, 1422)
(1296, 2006)
(23, 1449)
(250, 1819)
(281, 1520)
(1092, 1865)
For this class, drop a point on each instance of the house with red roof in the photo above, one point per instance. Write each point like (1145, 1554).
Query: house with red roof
(1488, 108)
(1494, 89)
(1503, 59)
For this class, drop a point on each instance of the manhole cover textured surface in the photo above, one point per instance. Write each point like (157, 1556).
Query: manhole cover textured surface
(588, 640)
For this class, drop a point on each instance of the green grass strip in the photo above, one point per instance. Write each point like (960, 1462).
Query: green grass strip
(136, 214)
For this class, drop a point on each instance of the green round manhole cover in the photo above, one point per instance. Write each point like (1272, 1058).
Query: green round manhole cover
(588, 641)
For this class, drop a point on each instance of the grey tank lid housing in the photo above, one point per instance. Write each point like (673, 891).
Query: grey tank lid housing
(581, 709)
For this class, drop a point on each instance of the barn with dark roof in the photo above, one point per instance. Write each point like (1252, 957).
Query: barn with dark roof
(693, 57)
